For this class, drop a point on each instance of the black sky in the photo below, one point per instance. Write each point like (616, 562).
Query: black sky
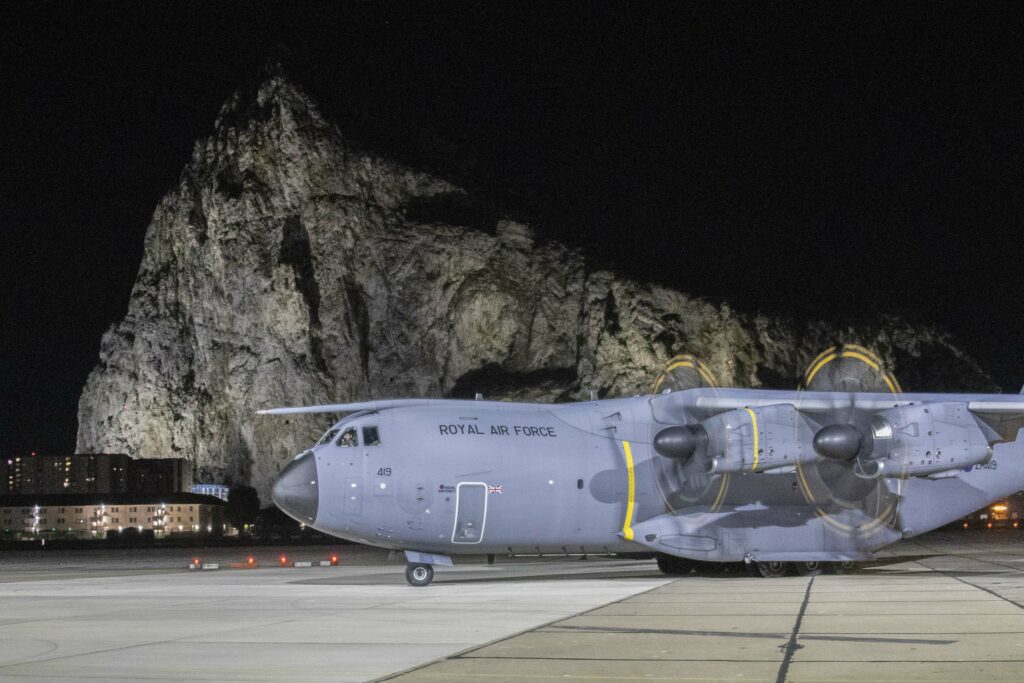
(828, 160)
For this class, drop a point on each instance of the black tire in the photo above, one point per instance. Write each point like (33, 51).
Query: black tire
(844, 567)
(773, 569)
(676, 566)
(809, 568)
(419, 574)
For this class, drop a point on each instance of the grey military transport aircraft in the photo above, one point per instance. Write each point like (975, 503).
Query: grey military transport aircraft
(807, 480)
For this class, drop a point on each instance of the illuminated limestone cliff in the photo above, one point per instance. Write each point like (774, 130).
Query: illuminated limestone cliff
(288, 268)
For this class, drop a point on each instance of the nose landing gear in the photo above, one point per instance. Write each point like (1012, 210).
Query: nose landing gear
(420, 570)
(419, 574)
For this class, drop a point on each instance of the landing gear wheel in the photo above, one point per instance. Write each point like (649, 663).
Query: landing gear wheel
(846, 567)
(773, 569)
(677, 566)
(419, 574)
(809, 568)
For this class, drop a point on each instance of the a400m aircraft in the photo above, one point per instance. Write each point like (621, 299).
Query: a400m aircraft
(781, 480)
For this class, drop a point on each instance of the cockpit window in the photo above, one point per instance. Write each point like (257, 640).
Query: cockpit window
(348, 438)
(371, 436)
(328, 437)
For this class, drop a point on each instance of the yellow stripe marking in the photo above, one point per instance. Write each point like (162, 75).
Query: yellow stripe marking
(817, 358)
(868, 359)
(685, 361)
(819, 366)
(865, 351)
(892, 382)
(860, 356)
(753, 421)
(627, 528)
(706, 375)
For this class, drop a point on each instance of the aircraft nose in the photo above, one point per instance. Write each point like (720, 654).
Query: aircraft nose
(296, 491)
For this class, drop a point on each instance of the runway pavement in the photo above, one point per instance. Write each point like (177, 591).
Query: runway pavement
(956, 613)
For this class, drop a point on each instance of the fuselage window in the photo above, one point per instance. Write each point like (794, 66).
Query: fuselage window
(371, 436)
(348, 438)
(328, 437)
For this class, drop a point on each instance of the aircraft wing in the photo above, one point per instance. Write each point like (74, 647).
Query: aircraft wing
(1004, 413)
(720, 400)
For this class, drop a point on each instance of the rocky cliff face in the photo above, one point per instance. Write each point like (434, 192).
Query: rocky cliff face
(288, 268)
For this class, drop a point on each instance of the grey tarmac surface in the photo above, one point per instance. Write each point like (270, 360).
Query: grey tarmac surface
(952, 612)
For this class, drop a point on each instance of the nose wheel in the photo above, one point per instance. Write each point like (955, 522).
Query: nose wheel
(419, 574)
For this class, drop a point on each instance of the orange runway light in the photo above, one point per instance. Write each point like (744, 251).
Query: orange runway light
(990, 525)
(251, 561)
(196, 561)
(965, 525)
(334, 558)
(1015, 525)
(283, 560)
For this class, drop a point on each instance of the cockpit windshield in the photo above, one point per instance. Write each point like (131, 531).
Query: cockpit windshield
(326, 438)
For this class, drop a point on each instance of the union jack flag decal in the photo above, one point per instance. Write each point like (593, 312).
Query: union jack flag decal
(494, 489)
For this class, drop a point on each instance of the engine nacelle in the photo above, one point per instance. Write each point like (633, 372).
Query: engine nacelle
(758, 439)
(922, 439)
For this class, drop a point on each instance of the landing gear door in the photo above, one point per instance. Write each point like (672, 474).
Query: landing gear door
(470, 512)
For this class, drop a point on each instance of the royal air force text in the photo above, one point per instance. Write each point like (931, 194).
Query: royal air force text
(496, 430)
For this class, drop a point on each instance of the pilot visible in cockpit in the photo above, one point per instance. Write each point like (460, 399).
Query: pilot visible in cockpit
(348, 439)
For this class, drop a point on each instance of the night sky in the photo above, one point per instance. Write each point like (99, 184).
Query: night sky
(830, 161)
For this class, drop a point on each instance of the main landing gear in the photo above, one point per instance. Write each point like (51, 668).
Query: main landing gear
(775, 568)
(679, 566)
(676, 566)
(419, 574)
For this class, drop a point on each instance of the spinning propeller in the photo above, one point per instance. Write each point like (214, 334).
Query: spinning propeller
(834, 453)
(846, 476)
(683, 480)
